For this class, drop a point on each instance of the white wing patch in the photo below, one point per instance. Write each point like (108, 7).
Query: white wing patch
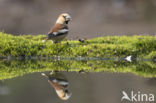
(63, 83)
(63, 31)
(55, 81)
(55, 33)
(60, 32)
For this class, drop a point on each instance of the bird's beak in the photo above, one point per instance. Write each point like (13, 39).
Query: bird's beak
(68, 19)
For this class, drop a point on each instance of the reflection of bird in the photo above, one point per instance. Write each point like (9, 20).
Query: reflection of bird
(60, 30)
(125, 96)
(60, 84)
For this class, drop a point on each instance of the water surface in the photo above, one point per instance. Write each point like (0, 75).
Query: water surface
(85, 88)
(90, 81)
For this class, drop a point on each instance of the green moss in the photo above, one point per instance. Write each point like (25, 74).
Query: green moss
(14, 68)
(108, 46)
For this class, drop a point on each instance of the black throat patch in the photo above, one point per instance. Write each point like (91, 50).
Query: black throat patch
(66, 22)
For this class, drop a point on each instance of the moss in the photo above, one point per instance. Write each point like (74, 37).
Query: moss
(108, 46)
(14, 68)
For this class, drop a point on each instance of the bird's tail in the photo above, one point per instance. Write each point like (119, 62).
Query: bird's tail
(43, 74)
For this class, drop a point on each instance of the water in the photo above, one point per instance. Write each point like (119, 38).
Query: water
(22, 82)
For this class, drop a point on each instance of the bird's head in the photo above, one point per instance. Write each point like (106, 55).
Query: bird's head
(64, 18)
(63, 94)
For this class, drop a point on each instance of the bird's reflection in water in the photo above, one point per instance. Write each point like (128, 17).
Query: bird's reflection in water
(59, 83)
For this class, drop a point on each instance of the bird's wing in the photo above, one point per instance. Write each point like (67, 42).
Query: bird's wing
(58, 29)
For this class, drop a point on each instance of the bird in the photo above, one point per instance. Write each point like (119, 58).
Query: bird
(60, 30)
(59, 82)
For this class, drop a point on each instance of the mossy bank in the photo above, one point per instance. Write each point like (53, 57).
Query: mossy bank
(107, 46)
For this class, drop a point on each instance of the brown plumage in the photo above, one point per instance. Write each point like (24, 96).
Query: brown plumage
(59, 82)
(57, 27)
(60, 30)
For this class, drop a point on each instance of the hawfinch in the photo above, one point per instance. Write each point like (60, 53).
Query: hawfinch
(60, 30)
(58, 81)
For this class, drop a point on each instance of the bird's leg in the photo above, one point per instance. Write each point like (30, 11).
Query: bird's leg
(45, 40)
